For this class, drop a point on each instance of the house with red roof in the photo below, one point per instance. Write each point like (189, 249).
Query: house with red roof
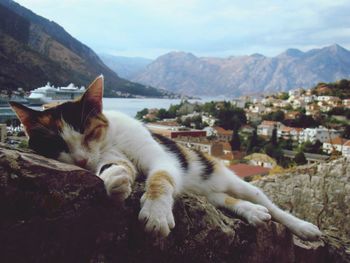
(248, 171)
(337, 144)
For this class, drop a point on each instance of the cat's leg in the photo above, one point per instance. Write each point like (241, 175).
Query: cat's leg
(240, 189)
(118, 176)
(256, 215)
(157, 202)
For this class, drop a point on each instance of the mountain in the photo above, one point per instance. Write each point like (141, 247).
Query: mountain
(126, 67)
(34, 50)
(187, 74)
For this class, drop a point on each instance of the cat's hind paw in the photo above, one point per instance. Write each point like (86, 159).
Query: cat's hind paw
(157, 215)
(117, 183)
(306, 231)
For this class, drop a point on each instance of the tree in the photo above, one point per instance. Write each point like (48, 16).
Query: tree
(141, 113)
(273, 151)
(253, 141)
(235, 141)
(274, 116)
(162, 114)
(231, 118)
(273, 139)
(300, 158)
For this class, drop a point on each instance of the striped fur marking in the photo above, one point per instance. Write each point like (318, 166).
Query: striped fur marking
(157, 184)
(174, 148)
(208, 168)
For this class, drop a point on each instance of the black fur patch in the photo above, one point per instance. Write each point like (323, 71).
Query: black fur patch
(174, 148)
(208, 165)
(71, 113)
(47, 142)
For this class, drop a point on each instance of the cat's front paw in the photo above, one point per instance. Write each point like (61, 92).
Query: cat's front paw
(117, 182)
(157, 215)
(256, 215)
(306, 231)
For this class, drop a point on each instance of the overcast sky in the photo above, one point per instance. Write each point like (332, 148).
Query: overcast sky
(150, 28)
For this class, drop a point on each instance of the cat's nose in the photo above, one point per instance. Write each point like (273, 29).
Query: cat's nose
(82, 163)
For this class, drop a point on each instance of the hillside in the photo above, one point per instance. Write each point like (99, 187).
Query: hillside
(34, 50)
(126, 67)
(185, 73)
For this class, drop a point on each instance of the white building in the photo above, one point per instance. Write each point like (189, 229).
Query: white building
(239, 103)
(321, 133)
(209, 120)
(266, 127)
(257, 108)
(337, 144)
(295, 92)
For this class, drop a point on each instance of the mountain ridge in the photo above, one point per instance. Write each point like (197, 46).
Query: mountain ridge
(34, 50)
(188, 74)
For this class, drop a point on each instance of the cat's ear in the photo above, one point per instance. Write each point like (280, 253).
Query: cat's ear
(27, 116)
(93, 95)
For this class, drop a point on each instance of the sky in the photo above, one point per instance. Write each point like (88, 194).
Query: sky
(220, 28)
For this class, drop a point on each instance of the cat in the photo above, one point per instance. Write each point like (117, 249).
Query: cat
(116, 147)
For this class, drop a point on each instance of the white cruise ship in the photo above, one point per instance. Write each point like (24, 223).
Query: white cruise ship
(50, 94)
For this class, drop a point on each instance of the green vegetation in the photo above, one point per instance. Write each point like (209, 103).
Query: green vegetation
(339, 89)
(274, 116)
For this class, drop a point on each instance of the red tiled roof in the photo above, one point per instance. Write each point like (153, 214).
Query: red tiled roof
(222, 131)
(269, 123)
(244, 170)
(339, 141)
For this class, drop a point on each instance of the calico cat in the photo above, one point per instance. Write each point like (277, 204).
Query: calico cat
(115, 147)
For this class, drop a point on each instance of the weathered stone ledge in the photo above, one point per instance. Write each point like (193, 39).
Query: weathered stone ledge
(53, 212)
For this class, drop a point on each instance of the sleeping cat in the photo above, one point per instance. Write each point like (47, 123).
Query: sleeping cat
(115, 147)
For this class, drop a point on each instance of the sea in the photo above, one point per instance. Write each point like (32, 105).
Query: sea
(132, 106)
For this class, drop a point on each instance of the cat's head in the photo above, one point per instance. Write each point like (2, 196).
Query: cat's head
(72, 132)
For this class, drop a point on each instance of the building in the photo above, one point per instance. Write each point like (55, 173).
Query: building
(295, 92)
(346, 103)
(239, 103)
(173, 130)
(287, 133)
(257, 108)
(266, 127)
(260, 159)
(338, 144)
(220, 133)
(199, 145)
(253, 117)
(210, 120)
(248, 171)
(321, 133)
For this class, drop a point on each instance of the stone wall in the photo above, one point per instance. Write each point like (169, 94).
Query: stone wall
(318, 193)
(53, 212)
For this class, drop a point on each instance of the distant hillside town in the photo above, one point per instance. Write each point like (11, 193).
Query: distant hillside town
(255, 137)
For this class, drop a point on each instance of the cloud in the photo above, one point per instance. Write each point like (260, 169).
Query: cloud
(204, 27)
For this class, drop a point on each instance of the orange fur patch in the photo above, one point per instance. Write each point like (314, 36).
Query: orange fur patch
(96, 128)
(158, 183)
(231, 201)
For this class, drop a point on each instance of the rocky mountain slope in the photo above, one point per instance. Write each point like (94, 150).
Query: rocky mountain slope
(54, 212)
(185, 73)
(34, 50)
(126, 67)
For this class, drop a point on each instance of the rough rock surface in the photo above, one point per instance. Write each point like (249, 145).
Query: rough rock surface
(318, 193)
(52, 212)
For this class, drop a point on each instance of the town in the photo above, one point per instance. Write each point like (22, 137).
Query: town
(256, 137)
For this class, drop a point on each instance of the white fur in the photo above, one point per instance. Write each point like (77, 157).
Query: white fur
(127, 139)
